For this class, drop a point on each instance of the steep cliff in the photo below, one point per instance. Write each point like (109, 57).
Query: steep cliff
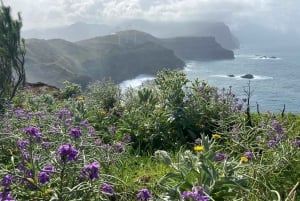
(197, 48)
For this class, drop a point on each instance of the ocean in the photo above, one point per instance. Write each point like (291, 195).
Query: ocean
(276, 72)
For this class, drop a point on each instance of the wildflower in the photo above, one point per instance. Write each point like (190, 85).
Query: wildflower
(43, 177)
(220, 157)
(48, 168)
(84, 123)
(48, 191)
(296, 143)
(107, 188)
(68, 122)
(64, 113)
(198, 148)
(92, 170)
(157, 107)
(67, 153)
(118, 147)
(92, 130)
(244, 159)
(112, 129)
(248, 155)
(6, 180)
(127, 139)
(46, 144)
(75, 133)
(22, 144)
(196, 194)
(80, 98)
(6, 195)
(33, 132)
(216, 136)
(277, 127)
(272, 143)
(144, 195)
(102, 113)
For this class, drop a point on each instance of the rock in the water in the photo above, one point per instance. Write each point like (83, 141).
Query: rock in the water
(231, 75)
(247, 76)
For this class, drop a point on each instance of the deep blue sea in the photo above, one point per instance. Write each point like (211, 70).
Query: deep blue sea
(276, 73)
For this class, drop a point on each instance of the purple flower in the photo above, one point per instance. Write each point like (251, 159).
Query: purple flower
(296, 143)
(92, 130)
(277, 127)
(22, 144)
(248, 155)
(107, 188)
(92, 170)
(68, 122)
(144, 195)
(84, 123)
(63, 113)
(220, 157)
(197, 194)
(272, 143)
(43, 177)
(48, 168)
(75, 133)
(6, 180)
(118, 147)
(6, 195)
(33, 132)
(112, 129)
(67, 153)
(127, 139)
(46, 144)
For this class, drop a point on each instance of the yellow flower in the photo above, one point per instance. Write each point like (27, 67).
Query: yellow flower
(199, 148)
(80, 98)
(157, 107)
(102, 113)
(48, 191)
(244, 159)
(216, 136)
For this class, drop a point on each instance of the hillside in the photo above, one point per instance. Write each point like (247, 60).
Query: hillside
(53, 61)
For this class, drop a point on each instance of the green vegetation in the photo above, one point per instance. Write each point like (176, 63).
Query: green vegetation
(12, 52)
(173, 139)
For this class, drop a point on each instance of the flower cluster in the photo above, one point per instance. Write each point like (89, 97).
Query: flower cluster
(67, 153)
(91, 171)
(197, 194)
(107, 189)
(144, 195)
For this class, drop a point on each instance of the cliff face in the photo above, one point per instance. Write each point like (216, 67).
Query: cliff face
(197, 48)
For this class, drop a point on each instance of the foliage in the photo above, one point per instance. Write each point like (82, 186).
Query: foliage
(12, 52)
(71, 89)
(146, 144)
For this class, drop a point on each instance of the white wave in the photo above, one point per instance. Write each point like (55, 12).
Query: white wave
(239, 77)
(136, 82)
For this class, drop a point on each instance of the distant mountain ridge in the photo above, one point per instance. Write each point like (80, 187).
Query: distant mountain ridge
(81, 31)
(119, 56)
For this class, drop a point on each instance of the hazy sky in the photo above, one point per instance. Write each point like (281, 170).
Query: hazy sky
(280, 15)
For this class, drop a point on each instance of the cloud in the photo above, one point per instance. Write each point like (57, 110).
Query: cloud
(44, 13)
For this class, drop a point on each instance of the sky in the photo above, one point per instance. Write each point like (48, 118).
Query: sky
(277, 15)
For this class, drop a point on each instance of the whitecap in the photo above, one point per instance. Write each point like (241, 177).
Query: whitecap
(136, 82)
